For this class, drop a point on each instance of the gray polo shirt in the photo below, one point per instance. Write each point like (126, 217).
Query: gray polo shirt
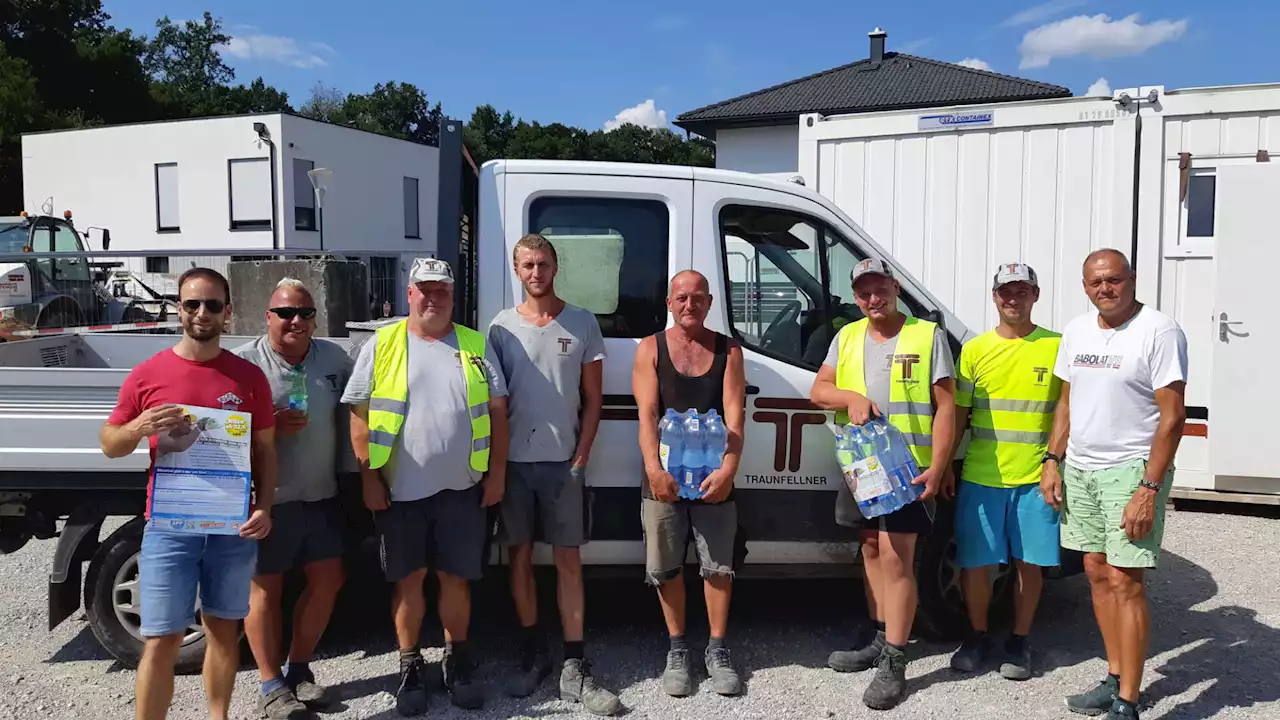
(543, 368)
(433, 449)
(309, 459)
(877, 363)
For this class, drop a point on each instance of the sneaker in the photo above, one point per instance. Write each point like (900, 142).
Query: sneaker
(676, 680)
(972, 654)
(724, 678)
(1017, 666)
(577, 684)
(534, 668)
(1121, 711)
(889, 686)
(1096, 701)
(282, 704)
(869, 644)
(411, 696)
(307, 689)
(457, 674)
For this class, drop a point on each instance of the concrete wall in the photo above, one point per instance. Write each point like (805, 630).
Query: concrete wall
(763, 150)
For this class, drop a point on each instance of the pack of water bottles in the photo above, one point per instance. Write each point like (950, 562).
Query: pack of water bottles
(878, 466)
(691, 446)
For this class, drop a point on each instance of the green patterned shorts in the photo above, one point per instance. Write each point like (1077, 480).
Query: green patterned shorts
(1093, 505)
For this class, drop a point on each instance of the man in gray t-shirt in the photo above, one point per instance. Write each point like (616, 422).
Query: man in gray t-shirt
(307, 522)
(552, 354)
(889, 540)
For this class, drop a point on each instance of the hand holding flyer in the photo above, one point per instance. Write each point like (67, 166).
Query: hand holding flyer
(203, 473)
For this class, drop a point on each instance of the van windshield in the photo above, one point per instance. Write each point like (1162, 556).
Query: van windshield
(13, 237)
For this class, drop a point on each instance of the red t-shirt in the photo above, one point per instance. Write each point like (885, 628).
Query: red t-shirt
(227, 382)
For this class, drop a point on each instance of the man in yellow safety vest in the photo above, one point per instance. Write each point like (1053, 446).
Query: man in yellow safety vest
(1007, 393)
(898, 367)
(429, 427)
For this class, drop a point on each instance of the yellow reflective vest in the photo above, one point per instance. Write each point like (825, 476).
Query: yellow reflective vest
(910, 390)
(389, 399)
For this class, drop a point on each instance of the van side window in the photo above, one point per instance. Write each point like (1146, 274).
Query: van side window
(613, 259)
(788, 277)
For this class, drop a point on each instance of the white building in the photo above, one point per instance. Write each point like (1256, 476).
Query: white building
(239, 183)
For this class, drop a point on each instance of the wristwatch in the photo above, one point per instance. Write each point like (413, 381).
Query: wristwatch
(1149, 485)
(1050, 456)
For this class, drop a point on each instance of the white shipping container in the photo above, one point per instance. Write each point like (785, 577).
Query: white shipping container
(952, 192)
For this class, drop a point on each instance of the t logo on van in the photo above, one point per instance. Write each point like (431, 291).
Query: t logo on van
(788, 435)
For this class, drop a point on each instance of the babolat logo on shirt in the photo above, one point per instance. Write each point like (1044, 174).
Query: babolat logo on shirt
(1100, 362)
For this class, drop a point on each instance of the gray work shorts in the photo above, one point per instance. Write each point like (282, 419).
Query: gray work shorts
(667, 528)
(447, 531)
(301, 533)
(550, 494)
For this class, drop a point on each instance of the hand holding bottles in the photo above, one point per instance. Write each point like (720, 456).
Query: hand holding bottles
(862, 410)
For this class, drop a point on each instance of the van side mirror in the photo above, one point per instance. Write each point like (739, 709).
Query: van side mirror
(106, 239)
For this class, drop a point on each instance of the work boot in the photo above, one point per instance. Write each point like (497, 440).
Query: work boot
(1017, 661)
(676, 680)
(534, 668)
(457, 670)
(282, 704)
(1121, 710)
(1096, 701)
(972, 654)
(577, 684)
(724, 678)
(411, 695)
(868, 646)
(889, 686)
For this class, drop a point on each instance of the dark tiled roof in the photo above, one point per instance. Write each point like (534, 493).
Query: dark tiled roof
(899, 82)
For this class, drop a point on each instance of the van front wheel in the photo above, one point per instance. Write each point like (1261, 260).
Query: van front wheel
(941, 612)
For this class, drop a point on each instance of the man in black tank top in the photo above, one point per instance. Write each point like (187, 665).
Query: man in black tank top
(690, 366)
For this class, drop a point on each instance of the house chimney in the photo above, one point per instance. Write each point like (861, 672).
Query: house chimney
(877, 45)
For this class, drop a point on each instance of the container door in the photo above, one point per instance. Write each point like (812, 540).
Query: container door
(1247, 334)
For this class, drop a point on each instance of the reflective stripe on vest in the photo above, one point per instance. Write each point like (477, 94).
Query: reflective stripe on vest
(910, 387)
(389, 400)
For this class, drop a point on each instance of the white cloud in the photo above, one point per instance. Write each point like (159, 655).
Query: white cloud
(1097, 36)
(975, 63)
(912, 46)
(1040, 13)
(1100, 87)
(284, 50)
(646, 114)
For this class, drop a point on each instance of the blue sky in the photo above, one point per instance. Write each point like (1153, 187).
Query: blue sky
(583, 63)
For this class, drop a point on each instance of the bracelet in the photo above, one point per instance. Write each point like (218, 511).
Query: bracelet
(1149, 485)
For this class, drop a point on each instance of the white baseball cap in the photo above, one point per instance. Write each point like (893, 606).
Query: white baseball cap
(427, 269)
(1014, 272)
(870, 266)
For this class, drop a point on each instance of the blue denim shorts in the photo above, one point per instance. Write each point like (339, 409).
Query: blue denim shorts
(173, 565)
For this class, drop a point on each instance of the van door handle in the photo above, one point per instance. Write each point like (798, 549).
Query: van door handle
(753, 390)
(1224, 328)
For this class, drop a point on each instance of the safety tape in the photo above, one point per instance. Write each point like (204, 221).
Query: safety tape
(95, 328)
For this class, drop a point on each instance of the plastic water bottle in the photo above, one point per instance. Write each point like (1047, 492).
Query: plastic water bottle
(298, 390)
(905, 467)
(694, 460)
(872, 486)
(717, 441)
(671, 444)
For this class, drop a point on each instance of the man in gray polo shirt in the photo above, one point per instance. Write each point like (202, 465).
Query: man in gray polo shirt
(552, 355)
(307, 521)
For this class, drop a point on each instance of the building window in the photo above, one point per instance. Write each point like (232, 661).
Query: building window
(304, 197)
(157, 264)
(613, 259)
(167, 197)
(1202, 187)
(250, 193)
(411, 228)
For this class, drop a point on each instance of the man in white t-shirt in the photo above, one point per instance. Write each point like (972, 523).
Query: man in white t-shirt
(1120, 418)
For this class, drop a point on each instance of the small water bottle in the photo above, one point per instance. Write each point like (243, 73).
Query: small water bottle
(875, 492)
(905, 464)
(717, 441)
(298, 390)
(671, 444)
(694, 461)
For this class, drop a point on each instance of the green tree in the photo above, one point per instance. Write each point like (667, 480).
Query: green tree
(398, 110)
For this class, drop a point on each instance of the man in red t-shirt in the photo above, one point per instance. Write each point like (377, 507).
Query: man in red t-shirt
(197, 372)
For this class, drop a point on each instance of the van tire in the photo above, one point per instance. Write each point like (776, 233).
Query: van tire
(116, 560)
(941, 612)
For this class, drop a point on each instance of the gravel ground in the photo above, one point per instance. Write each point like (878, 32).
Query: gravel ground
(1215, 634)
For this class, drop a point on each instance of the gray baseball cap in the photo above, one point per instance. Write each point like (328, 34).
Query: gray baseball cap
(1014, 272)
(870, 266)
(427, 269)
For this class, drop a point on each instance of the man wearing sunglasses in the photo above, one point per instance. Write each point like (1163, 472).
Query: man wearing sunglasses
(307, 518)
(175, 568)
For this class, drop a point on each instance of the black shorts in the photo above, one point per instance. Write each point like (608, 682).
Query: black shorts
(301, 533)
(916, 518)
(448, 532)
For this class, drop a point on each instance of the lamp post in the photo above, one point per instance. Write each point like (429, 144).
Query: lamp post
(320, 183)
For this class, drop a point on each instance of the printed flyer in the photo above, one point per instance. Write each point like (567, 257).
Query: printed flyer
(202, 475)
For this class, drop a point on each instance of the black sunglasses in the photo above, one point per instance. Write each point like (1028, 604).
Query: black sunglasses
(212, 305)
(289, 313)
